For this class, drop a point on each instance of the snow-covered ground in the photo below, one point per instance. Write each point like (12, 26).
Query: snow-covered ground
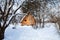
(28, 33)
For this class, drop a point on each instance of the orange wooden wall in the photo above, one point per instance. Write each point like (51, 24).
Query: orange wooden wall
(28, 20)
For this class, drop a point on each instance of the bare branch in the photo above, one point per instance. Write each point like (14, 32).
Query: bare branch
(8, 22)
(13, 16)
(5, 6)
(17, 9)
(12, 3)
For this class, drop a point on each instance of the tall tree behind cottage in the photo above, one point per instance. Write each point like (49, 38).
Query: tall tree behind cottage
(37, 8)
(40, 8)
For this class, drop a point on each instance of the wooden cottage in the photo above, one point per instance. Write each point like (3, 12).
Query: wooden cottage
(28, 20)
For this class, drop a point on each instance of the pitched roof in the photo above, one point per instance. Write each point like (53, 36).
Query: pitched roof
(25, 16)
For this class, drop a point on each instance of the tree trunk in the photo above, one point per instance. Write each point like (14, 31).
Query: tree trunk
(2, 30)
(59, 24)
(43, 23)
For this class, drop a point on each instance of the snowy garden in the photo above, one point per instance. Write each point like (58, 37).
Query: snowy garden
(29, 19)
(28, 33)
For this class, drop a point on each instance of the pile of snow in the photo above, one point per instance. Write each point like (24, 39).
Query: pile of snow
(28, 33)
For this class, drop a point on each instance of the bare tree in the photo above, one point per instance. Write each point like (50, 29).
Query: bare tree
(4, 16)
(55, 19)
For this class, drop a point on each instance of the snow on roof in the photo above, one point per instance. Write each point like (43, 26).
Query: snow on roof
(23, 17)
